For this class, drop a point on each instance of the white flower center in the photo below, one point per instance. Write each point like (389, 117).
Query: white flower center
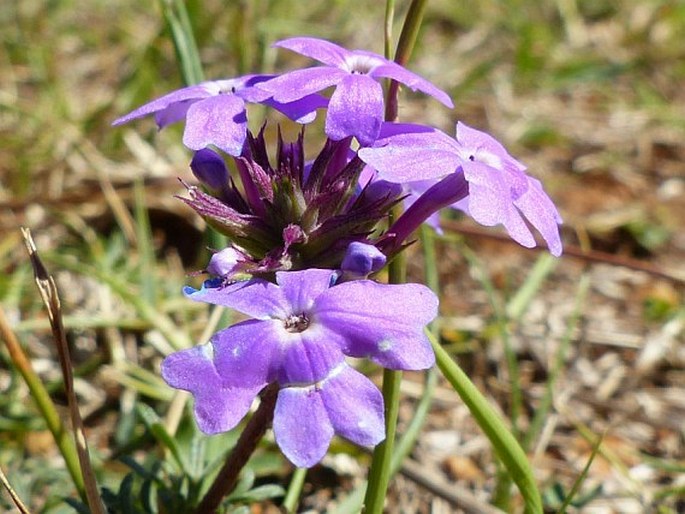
(484, 157)
(361, 64)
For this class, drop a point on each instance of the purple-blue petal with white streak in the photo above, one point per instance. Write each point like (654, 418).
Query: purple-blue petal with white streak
(217, 408)
(255, 297)
(301, 288)
(319, 49)
(413, 81)
(298, 84)
(249, 353)
(380, 321)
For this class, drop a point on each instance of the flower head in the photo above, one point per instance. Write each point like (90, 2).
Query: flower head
(289, 214)
(300, 331)
(356, 106)
(499, 191)
(215, 111)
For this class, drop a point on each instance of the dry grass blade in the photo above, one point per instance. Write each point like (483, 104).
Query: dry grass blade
(15, 498)
(50, 296)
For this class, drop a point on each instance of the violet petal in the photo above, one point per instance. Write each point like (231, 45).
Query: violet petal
(355, 407)
(308, 357)
(298, 84)
(412, 157)
(196, 92)
(220, 121)
(301, 288)
(319, 49)
(382, 322)
(247, 353)
(301, 425)
(412, 80)
(256, 297)
(355, 109)
(217, 408)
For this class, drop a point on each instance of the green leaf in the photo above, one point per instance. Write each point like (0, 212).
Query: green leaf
(505, 445)
(258, 494)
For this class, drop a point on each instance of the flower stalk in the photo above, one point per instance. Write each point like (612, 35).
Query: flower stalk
(253, 432)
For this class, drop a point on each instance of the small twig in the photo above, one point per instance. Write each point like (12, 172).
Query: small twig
(13, 494)
(247, 443)
(50, 296)
(453, 493)
(569, 250)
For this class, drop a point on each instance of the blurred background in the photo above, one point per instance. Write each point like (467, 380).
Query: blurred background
(588, 94)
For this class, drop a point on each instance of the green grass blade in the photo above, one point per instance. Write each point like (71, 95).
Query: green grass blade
(581, 478)
(505, 445)
(45, 405)
(520, 302)
(178, 21)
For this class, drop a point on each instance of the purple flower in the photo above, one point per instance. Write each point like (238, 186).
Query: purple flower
(499, 191)
(356, 106)
(215, 111)
(301, 329)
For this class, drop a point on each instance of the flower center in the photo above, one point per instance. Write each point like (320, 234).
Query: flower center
(225, 87)
(484, 157)
(296, 323)
(361, 64)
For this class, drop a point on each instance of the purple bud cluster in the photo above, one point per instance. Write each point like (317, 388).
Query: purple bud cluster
(306, 234)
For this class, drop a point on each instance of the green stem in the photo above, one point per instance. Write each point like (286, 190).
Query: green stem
(381, 464)
(405, 46)
(379, 474)
(292, 497)
(389, 17)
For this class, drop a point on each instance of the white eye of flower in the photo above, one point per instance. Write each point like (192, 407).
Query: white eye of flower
(222, 87)
(484, 157)
(361, 64)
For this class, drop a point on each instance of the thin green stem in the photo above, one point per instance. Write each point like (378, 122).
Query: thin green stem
(405, 46)
(389, 17)
(381, 464)
(292, 497)
(379, 475)
(545, 405)
(502, 327)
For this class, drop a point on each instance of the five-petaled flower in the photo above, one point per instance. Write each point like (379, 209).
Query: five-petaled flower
(356, 106)
(301, 330)
(498, 189)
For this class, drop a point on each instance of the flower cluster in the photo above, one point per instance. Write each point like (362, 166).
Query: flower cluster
(306, 235)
